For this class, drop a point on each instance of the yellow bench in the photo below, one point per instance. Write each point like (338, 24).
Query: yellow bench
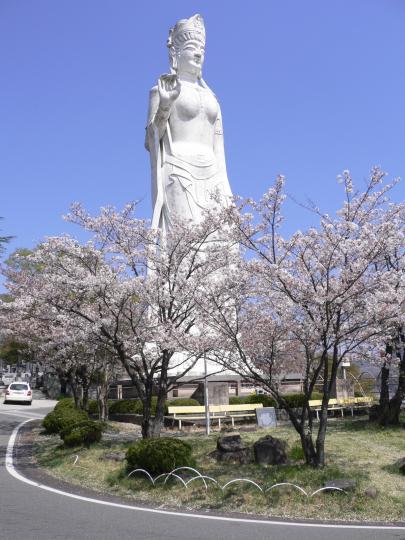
(363, 402)
(333, 405)
(341, 404)
(217, 412)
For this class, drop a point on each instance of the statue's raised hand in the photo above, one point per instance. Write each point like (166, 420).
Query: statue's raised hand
(169, 90)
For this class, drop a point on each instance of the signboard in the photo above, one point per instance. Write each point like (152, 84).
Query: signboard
(266, 417)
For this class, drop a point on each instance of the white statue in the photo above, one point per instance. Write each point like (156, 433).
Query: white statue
(184, 133)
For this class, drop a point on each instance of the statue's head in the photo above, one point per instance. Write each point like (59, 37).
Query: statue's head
(186, 43)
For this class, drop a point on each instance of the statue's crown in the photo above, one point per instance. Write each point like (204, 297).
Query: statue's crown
(186, 30)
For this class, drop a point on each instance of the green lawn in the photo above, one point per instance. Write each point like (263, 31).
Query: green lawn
(354, 448)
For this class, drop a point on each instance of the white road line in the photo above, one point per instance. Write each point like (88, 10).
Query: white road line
(32, 416)
(12, 470)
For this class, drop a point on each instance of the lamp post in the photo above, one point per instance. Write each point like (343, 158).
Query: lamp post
(206, 398)
(345, 364)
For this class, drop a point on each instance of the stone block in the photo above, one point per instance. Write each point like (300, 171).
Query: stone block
(347, 484)
(270, 451)
(230, 443)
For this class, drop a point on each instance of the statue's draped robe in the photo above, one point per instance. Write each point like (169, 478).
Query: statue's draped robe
(183, 181)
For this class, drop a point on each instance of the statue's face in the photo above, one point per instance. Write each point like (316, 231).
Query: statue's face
(191, 58)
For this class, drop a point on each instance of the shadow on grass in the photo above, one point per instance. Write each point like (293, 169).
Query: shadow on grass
(363, 425)
(304, 475)
(55, 457)
(392, 469)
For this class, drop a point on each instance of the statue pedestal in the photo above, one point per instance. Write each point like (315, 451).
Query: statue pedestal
(218, 393)
(344, 389)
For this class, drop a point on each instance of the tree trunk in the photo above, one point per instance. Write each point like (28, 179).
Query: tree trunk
(63, 385)
(76, 391)
(389, 415)
(303, 426)
(320, 439)
(148, 430)
(102, 394)
(384, 390)
(309, 449)
(152, 425)
(384, 404)
(320, 450)
(103, 409)
(160, 413)
(102, 402)
(390, 409)
(84, 379)
(85, 398)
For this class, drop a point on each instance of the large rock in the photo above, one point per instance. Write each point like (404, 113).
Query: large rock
(241, 456)
(231, 449)
(270, 451)
(347, 484)
(230, 443)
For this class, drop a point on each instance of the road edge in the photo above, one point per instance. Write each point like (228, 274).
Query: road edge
(13, 471)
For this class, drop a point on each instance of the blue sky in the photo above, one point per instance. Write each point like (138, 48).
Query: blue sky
(307, 89)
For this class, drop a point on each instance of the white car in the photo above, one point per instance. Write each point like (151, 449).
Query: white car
(18, 391)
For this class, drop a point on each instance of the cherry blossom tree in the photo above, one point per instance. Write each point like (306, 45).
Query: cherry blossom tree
(308, 302)
(159, 303)
(170, 273)
(62, 343)
(133, 292)
(393, 361)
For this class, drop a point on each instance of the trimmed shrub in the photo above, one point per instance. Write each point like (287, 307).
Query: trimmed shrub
(93, 406)
(69, 403)
(65, 403)
(126, 406)
(236, 400)
(159, 455)
(267, 401)
(60, 397)
(297, 400)
(131, 406)
(135, 406)
(180, 402)
(51, 422)
(84, 433)
(294, 400)
(57, 420)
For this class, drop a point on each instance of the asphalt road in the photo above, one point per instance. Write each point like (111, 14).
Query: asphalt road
(31, 513)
